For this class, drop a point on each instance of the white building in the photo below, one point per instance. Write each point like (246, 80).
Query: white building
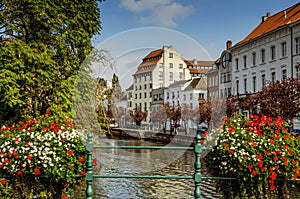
(270, 52)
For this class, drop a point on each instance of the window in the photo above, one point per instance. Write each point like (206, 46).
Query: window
(145, 86)
(140, 95)
(191, 96)
(263, 55)
(297, 45)
(168, 95)
(236, 64)
(180, 65)
(273, 76)
(263, 80)
(160, 76)
(145, 95)
(177, 94)
(283, 49)
(171, 76)
(201, 95)
(298, 73)
(254, 83)
(180, 75)
(135, 96)
(145, 106)
(173, 95)
(273, 52)
(170, 55)
(245, 85)
(170, 65)
(150, 85)
(237, 86)
(184, 97)
(161, 65)
(284, 74)
(254, 58)
(245, 61)
(150, 94)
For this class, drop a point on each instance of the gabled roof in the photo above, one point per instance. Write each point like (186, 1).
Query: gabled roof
(280, 19)
(198, 70)
(198, 63)
(151, 59)
(154, 53)
(178, 83)
(197, 84)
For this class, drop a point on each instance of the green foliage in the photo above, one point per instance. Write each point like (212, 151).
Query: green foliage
(257, 151)
(45, 44)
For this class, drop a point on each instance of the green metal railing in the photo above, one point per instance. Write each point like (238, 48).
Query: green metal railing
(197, 177)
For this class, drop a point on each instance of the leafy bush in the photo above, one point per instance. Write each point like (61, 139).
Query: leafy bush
(257, 151)
(43, 157)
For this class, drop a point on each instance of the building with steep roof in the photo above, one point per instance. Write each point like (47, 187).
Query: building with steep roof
(270, 52)
(160, 69)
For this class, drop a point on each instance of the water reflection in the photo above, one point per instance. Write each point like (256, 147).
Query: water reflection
(146, 162)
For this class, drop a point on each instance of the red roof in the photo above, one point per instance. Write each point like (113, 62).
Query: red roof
(198, 70)
(148, 70)
(198, 63)
(154, 53)
(285, 17)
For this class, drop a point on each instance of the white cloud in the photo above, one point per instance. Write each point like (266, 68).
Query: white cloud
(158, 12)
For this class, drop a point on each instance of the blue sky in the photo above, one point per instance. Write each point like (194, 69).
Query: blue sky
(132, 28)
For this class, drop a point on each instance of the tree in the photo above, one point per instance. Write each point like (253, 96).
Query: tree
(276, 99)
(204, 111)
(158, 115)
(174, 113)
(280, 99)
(44, 45)
(138, 115)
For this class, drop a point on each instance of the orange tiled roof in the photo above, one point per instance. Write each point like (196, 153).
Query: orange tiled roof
(198, 70)
(287, 16)
(198, 63)
(154, 53)
(148, 70)
(151, 62)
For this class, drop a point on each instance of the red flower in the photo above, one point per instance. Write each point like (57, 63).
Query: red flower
(225, 144)
(280, 120)
(259, 157)
(29, 157)
(250, 166)
(1, 165)
(83, 173)
(7, 135)
(230, 150)
(260, 164)
(289, 151)
(287, 136)
(254, 172)
(3, 181)
(81, 159)
(267, 152)
(70, 153)
(273, 175)
(28, 143)
(63, 139)
(272, 187)
(70, 167)
(64, 195)
(19, 172)
(271, 181)
(37, 171)
(272, 142)
(48, 112)
(6, 161)
(275, 159)
(95, 162)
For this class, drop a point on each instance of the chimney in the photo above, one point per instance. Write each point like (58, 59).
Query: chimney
(195, 61)
(264, 18)
(228, 44)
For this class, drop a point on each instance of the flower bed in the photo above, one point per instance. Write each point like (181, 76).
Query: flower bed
(42, 157)
(257, 151)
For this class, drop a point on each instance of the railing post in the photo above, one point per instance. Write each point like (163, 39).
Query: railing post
(197, 175)
(89, 167)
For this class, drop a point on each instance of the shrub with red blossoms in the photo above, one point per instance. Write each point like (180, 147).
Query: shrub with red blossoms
(47, 146)
(258, 151)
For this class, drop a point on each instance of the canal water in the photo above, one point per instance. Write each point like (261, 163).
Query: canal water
(145, 162)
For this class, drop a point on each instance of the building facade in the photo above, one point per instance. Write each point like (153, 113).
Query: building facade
(269, 53)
